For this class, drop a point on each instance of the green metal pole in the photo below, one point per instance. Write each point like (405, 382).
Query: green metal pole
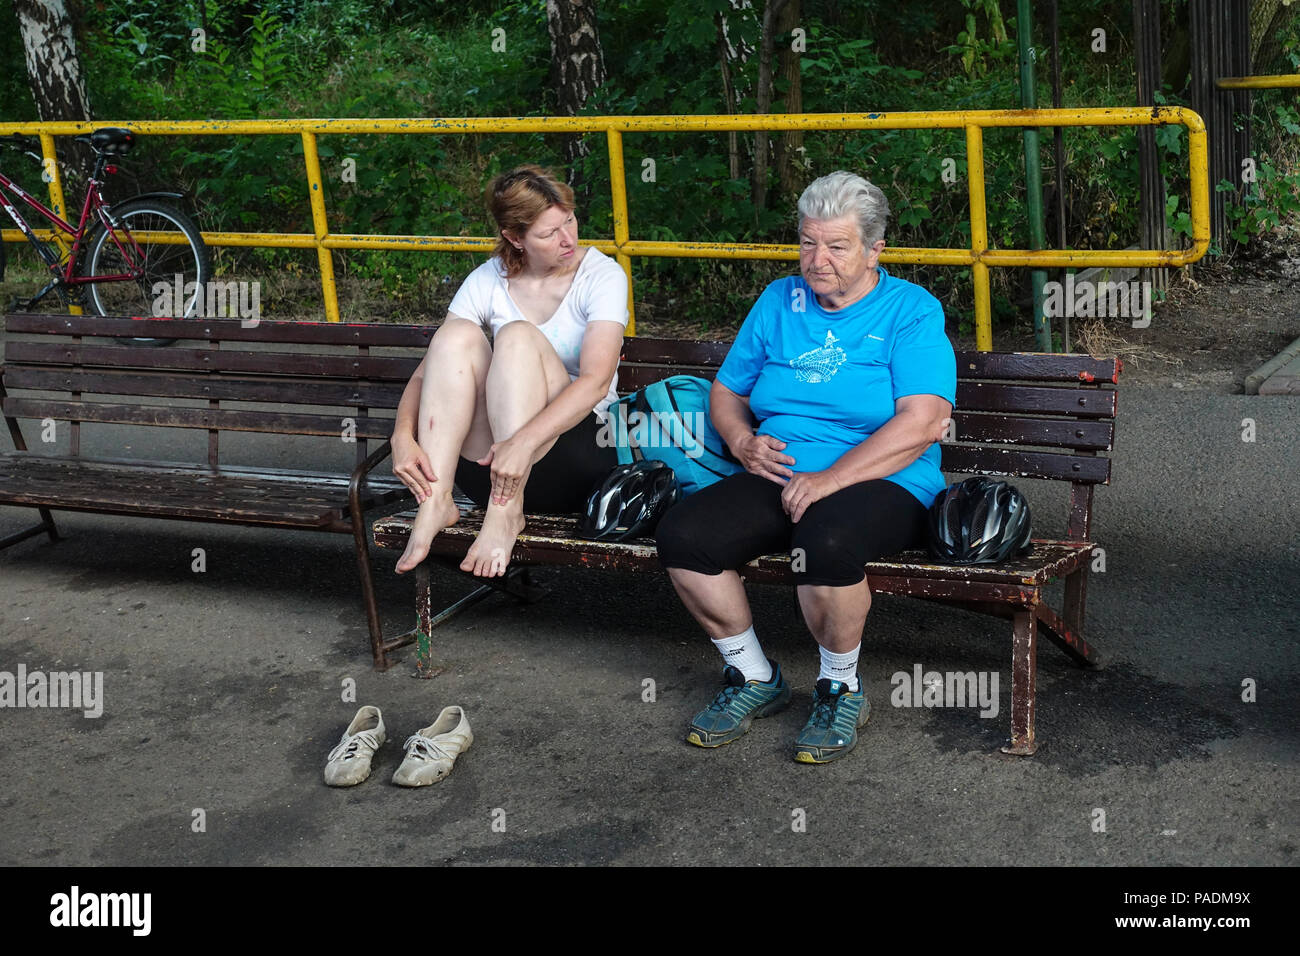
(1033, 169)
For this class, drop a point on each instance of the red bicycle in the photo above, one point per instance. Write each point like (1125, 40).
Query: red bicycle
(121, 259)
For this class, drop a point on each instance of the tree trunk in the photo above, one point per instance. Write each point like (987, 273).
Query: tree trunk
(732, 59)
(790, 163)
(1178, 51)
(771, 11)
(577, 70)
(55, 77)
(1264, 42)
(53, 70)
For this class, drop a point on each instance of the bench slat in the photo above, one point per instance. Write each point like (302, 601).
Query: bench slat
(171, 490)
(1035, 399)
(217, 386)
(973, 459)
(1037, 367)
(1050, 432)
(392, 369)
(674, 352)
(120, 466)
(227, 330)
(196, 495)
(286, 423)
(632, 377)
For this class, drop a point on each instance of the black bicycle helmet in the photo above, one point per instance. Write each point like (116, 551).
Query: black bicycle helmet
(979, 521)
(629, 502)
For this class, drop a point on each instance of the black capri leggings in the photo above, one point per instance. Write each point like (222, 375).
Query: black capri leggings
(735, 520)
(558, 484)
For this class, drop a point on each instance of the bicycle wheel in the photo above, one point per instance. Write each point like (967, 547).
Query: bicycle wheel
(164, 265)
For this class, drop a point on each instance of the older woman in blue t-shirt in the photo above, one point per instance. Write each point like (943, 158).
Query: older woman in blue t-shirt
(833, 396)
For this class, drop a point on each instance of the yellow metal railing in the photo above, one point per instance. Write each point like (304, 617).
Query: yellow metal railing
(1286, 80)
(979, 257)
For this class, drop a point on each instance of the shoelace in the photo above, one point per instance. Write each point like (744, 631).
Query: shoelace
(823, 714)
(723, 700)
(425, 748)
(350, 744)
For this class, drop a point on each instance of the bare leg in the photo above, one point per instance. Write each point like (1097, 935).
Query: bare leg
(716, 601)
(836, 616)
(524, 377)
(452, 416)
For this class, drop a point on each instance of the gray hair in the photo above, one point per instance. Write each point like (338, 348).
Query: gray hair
(846, 194)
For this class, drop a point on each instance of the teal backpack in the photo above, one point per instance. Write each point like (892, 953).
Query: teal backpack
(669, 420)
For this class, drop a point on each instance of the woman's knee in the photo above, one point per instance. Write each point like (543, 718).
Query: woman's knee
(827, 552)
(520, 345)
(520, 335)
(460, 336)
(679, 537)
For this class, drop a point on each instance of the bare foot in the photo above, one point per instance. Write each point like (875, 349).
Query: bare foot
(490, 552)
(437, 512)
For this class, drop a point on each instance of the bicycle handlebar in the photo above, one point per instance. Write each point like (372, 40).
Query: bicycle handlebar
(23, 144)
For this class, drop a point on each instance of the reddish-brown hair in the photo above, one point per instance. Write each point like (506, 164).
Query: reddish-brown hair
(516, 200)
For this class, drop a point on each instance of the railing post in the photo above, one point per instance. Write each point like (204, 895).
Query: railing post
(56, 200)
(320, 225)
(618, 189)
(1198, 171)
(979, 237)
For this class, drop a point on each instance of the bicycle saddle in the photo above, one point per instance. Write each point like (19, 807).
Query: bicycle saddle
(111, 140)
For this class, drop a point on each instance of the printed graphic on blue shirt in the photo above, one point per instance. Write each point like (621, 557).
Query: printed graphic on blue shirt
(824, 381)
(819, 365)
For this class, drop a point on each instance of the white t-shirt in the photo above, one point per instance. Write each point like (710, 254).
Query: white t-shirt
(598, 294)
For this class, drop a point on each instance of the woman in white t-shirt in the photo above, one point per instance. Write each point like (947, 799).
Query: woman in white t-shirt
(522, 414)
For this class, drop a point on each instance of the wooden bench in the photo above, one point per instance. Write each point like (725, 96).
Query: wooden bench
(332, 377)
(1023, 415)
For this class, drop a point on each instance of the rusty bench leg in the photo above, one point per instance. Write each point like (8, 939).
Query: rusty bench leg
(1064, 637)
(517, 582)
(1076, 596)
(1024, 669)
(46, 527)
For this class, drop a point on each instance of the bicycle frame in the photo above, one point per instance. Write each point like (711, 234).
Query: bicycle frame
(94, 204)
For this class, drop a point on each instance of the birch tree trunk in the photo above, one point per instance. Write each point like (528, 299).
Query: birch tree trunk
(577, 69)
(53, 70)
(732, 58)
(55, 78)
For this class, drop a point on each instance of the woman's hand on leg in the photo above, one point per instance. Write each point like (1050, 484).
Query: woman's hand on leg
(806, 489)
(510, 460)
(763, 455)
(412, 467)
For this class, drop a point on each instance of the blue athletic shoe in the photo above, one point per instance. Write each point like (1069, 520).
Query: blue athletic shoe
(736, 706)
(832, 728)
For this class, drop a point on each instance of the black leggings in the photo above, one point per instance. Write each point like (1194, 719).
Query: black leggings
(733, 521)
(559, 483)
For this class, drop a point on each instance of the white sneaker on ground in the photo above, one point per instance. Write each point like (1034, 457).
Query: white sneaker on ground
(431, 752)
(349, 763)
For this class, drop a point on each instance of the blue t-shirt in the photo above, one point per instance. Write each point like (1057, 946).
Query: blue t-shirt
(823, 382)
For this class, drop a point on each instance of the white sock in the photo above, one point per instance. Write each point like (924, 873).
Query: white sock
(841, 667)
(744, 653)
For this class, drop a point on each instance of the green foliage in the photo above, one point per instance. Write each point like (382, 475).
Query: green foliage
(16, 103)
(981, 55)
(298, 58)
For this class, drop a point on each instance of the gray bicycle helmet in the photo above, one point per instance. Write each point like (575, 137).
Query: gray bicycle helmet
(979, 521)
(629, 502)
